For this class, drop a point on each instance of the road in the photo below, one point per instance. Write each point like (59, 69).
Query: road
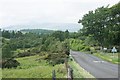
(95, 66)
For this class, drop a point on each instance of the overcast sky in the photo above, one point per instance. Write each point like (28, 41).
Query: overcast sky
(47, 11)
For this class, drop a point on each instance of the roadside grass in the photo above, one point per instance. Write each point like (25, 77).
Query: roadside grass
(0, 73)
(106, 56)
(78, 71)
(109, 57)
(32, 68)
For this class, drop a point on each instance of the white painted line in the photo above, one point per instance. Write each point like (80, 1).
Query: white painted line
(98, 61)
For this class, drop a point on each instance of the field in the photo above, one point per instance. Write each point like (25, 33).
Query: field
(32, 67)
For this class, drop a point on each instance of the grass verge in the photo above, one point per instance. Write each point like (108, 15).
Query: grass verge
(0, 73)
(109, 57)
(78, 71)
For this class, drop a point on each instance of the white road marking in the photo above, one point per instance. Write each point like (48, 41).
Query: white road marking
(98, 61)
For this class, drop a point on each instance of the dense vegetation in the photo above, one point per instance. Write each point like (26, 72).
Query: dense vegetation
(56, 45)
(103, 25)
(101, 28)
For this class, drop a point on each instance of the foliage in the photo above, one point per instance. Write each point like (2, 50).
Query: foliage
(56, 58)
(77, 44)
(55, 42)
(103, 25)
(6, 52)
(10, 63)
(87, 48)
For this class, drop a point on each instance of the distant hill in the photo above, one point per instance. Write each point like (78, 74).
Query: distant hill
(37, 31)
(72, 27)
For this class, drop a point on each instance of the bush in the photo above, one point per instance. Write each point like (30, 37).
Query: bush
(92, 50)
(10, 63)
(43, 53)
(97, 48)
(81, 47)
(56, 61)
(55, 58)
(24, 54)
(35, 50)
(87, 48)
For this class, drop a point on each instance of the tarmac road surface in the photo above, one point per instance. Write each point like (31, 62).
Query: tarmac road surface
(95, 66)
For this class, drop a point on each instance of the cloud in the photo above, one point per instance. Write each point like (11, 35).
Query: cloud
(69, 11)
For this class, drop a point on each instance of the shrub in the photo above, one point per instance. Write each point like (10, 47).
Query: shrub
(87, 48)
(35, 50)
(24, 54)
(10, 63)
(55, 58)
(79, 47)
(92, 50)
(97, 48)
(42, 53)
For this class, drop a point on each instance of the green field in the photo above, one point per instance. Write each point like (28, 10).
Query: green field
(33, 67)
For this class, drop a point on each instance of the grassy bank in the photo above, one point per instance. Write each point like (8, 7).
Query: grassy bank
(78, 71)
(109, 57)
(0, 73)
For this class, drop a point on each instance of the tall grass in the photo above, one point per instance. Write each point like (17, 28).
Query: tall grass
(31, 67)
(109, 57)
(78, 71)
(0, 73)
(35, 67)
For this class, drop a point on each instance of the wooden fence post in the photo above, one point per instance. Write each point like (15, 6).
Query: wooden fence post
(66, 65)
(70, 73)
(53, 75)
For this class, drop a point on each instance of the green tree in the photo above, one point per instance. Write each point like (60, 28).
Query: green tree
(66, 34)
(6, 51)
(59, 35)
(94, 23)
(5, 34)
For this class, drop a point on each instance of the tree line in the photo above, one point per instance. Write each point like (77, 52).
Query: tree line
(103, 25)
(56, 44)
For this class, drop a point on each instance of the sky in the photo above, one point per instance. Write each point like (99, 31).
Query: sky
(14, 12)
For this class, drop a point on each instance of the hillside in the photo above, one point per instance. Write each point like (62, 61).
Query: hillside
(72, 27)
(37, 31)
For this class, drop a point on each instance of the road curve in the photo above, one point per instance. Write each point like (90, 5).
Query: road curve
(96, 66)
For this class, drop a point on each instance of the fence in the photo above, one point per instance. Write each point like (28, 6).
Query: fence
(69, 72)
